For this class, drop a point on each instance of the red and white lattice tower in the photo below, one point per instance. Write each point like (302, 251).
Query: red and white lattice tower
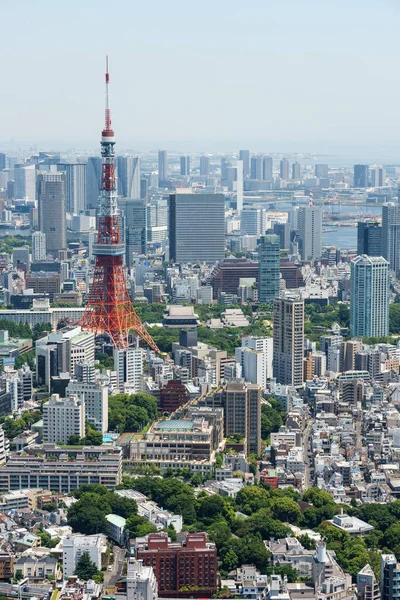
(109, 309)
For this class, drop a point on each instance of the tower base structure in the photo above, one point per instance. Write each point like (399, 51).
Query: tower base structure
(109, 309)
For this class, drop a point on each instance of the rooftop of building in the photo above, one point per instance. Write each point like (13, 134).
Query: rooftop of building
(116, 520)
(174, 425)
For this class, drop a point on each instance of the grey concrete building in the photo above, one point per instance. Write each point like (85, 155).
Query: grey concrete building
(196, 227)
(52, 209)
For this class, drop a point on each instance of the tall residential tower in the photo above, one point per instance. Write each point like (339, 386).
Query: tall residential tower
(369, 307)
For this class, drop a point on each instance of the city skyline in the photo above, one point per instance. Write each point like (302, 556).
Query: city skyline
(288, 112)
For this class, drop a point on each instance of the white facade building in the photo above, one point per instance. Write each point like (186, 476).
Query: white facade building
(63, 417)
(310, 232)
(95, 397)
(251, 364)
(25, 182)
(75, 545)
(129, 367)
(141, 583)
(38, 245)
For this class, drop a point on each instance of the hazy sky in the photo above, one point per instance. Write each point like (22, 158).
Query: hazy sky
(266, 74)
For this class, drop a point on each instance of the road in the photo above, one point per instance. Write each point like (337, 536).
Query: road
(306, 449)
(111, 577)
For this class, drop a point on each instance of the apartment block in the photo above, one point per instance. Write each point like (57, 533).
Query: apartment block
(193, 563)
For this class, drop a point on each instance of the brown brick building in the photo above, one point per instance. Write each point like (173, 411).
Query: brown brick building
(176, 566)
(292, 275)
(6, 565)
(44, 285)
(228, 273)
(173, 395)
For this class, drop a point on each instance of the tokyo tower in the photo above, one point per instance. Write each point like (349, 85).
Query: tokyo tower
(109, 309)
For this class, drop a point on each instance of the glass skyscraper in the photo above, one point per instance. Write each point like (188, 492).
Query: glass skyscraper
(268, 268)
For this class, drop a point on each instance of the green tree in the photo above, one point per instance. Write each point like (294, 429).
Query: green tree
(92, 436)
(394, 317)
(307, 542)
(139, 526)
(85, 567)
(90, 488)
(105, 360)
(391, 537)
(230, 560)
(210, 508)
(50, 506)
(46, 541)
(87, 519)
(286, 509)
(317, 497)
(251, 499)
(74, 440)
(272, 417)
(131, 412)
(220, 533)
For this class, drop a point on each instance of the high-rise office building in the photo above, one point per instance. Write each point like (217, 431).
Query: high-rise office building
(288, 341)
(162, 167)
(391, 235)
(296, 170)
(75, 186)
(390, 577)
(185, 166)
(369, 307)
(144, 188)
(268, 166)
(369, 238)
(63, 417)
(244, 155)
(239, 186)
(377, 175)
(157, 220)
(25, 181)
(360, 176)
(252, 221)
(268, 268)
(93, 179)
(225, 166)
(283, 231)
(204, 166)
(196, 227)
(284, 168)
(256, 167)
(310, 232)
(2, 161)
(51, 196)
(38, 245)
(134, 216)
(321, 171)
(21, 258)
(128, 176)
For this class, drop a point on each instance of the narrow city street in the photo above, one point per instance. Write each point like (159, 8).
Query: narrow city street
(306, 449)
(111, 577)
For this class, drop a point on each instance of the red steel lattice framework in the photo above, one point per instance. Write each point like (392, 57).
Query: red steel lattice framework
(109, 309)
